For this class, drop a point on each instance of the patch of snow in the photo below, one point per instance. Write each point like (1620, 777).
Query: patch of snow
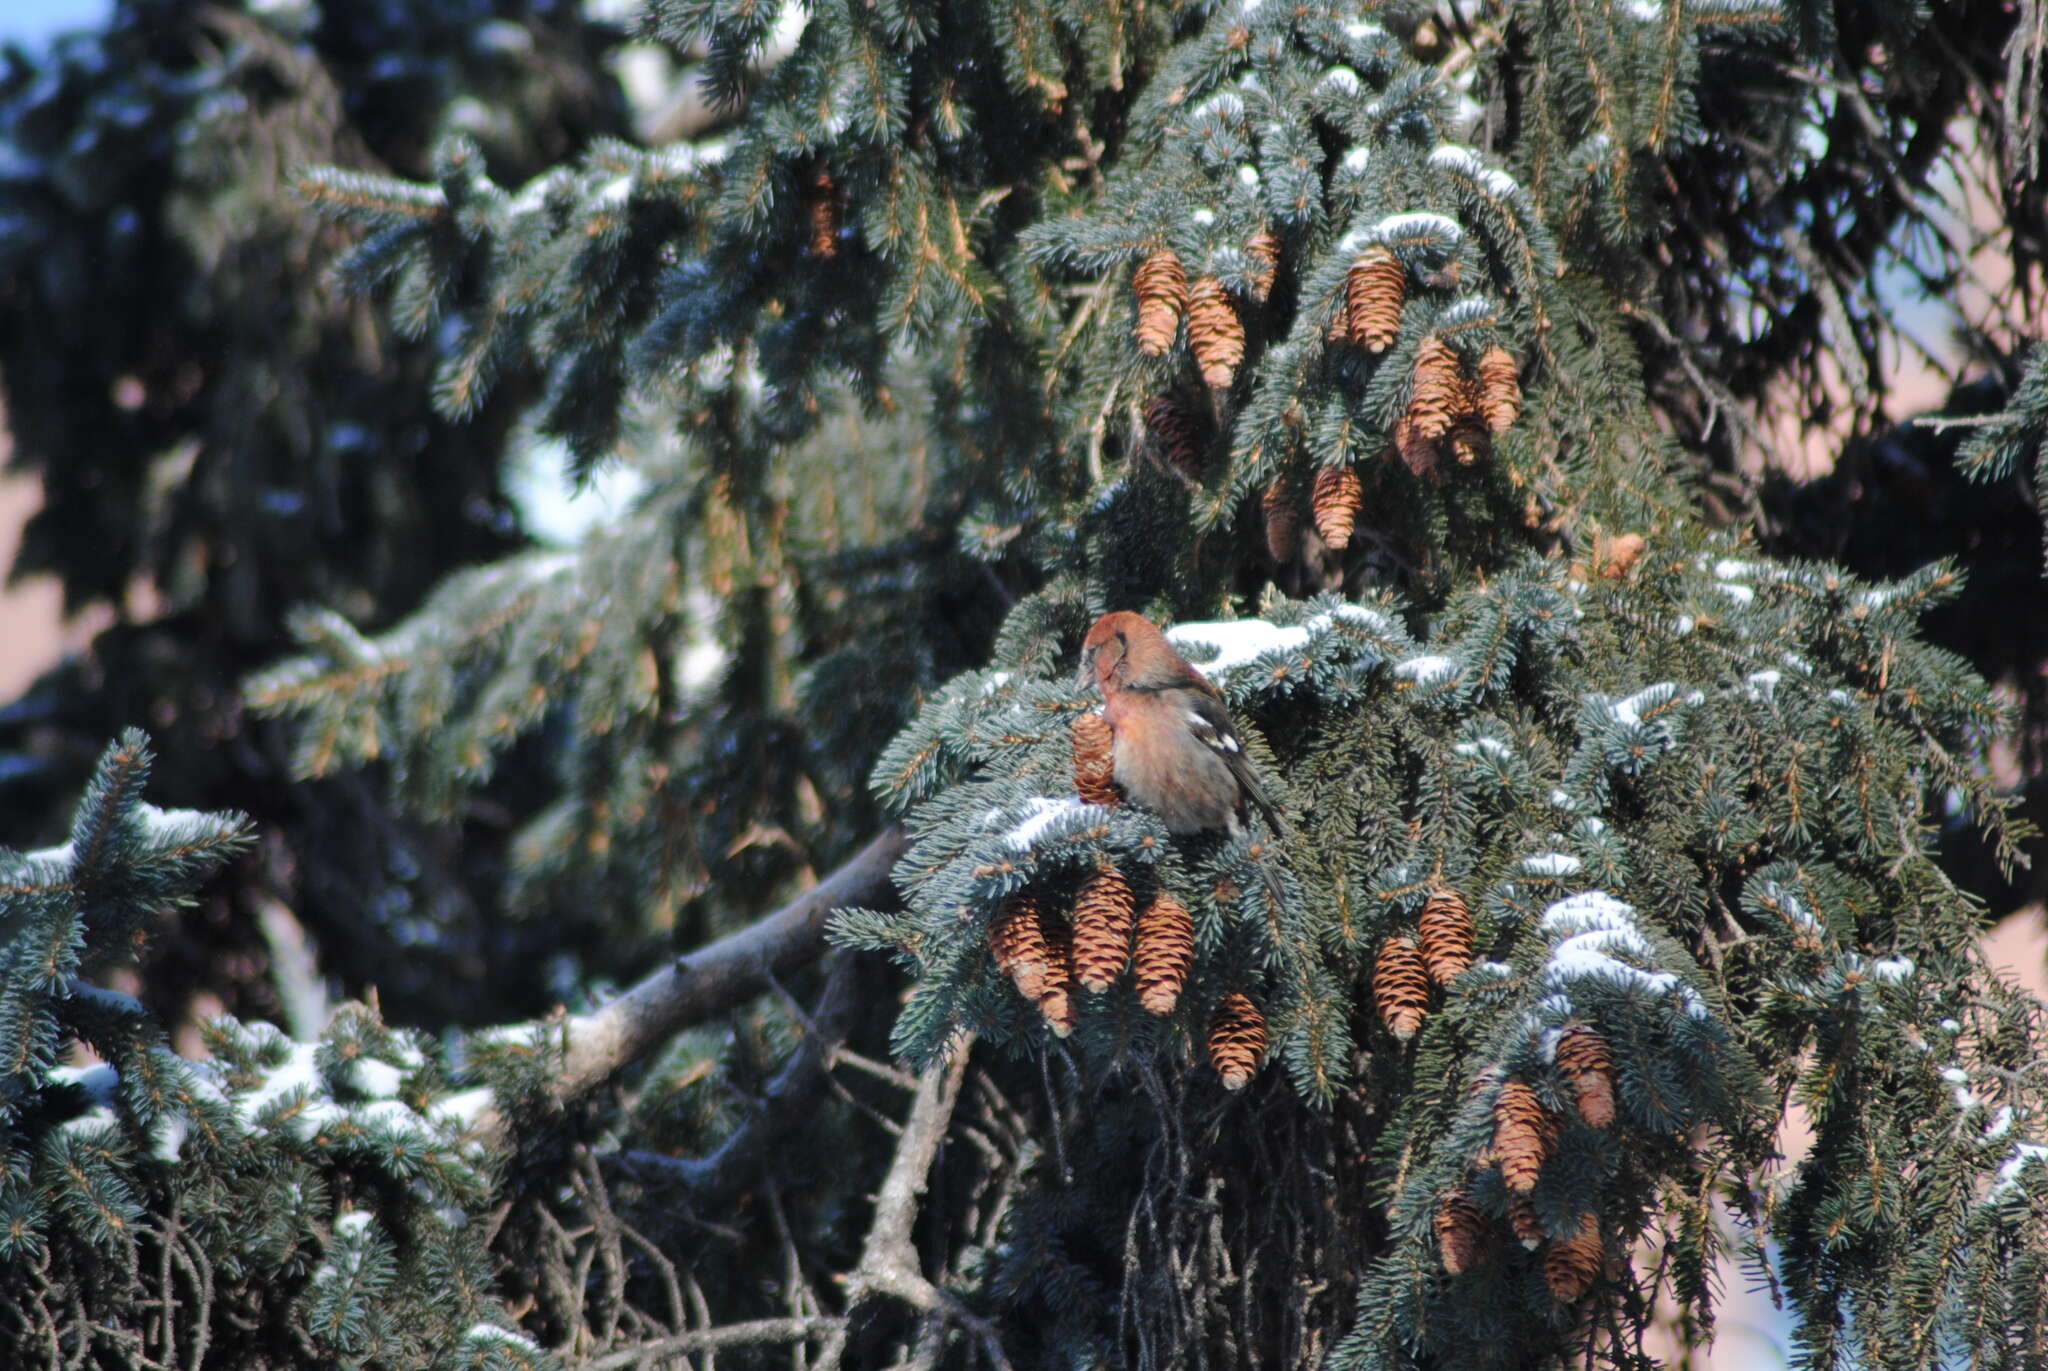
(1682, 625)
(1248, 176)
(355, 1221)
(2009, 1174)
(1742, 595)
(379, 1080)
(1485, 747)
(616, 191)
(1238, 642)
(1425, 669)
(1561, 800)
(1045, 812)
(2000, 1125)
(1892, 970)
(1357, 160)
(1763, 685)
(1342, 78)
(1456, 157)
(1591, 927)
(1204, 217)
(1422, 225)
(490, 1332)
(1553, 864)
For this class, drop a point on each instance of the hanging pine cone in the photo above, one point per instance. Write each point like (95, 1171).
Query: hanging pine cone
(1439, 394)
(1373, 293)
(1583, 1057)
(1400, 987)
(1617, 555)
(1034, 958)
(1166, 953)
(1446, 933)
(1161, 286)
(1176, 435)
(1263, 248)
(1571, 1265)
(1214, 332)
(1500, 389)
(1461, 1236)
(1094, 759)
(1283, 520)
(1470, 442)
(1417, 453)
(1103, 907)
(1237, 1039)
(1524, 1132)
(821, 209)
(1523, 1219)
(1335, 502)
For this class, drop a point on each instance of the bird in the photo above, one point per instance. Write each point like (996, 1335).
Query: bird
(1174, 746)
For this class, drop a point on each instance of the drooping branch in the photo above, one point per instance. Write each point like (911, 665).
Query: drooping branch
(713, 978)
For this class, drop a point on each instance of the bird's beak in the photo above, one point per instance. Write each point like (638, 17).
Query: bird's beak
(1084, 675)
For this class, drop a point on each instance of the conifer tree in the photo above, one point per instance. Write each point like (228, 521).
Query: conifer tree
(1370, 350)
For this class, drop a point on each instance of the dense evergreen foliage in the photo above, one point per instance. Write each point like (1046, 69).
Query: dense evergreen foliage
(1401, 360)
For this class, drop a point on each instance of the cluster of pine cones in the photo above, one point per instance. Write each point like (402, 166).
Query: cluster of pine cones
(1449, 406)
(1046, 957)
(1525, 1134)
(1405, 967)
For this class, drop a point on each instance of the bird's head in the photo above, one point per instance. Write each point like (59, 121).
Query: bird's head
(1106, 651)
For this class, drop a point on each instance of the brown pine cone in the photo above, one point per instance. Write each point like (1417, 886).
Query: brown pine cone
(1446, 934)
(1034, 958)
(1263, 248)
(1214, 332)
(1522, 1218)
(1335, 502)
(1094, 759)
(1571, 1265)
(1583, 1057)
(1161, 286)
(1056, 996)
(1400, 987)
(1500, 389)
(1439, 394)
(1237, 1039)
(1176, 435)
(1417, 453)
(1374, 290)
(1166, 953)
(1524, 1132)
(1103, 908)
(821, 207)
(1470, 442)
(1461, 1236)
(1283, 520)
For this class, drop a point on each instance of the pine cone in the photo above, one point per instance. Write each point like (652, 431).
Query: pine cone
(1214, 332)
(1522, 1218)
(1335, 502)
(1283, 520)
(1056, 996)
(1162, 290)
(1617, 555)
(1166, 953)
(1418, 453)
(1470, 442)
(1500, 389)
(1400, 987)
(1103, 907)
(821, 207)
(1583, 1057)
(1524, 1132)
(1237, 1039)
(1094, 759)
(1373, 293)
(1038, 964)
(1263, 248)
(1439, 395)
(1571, 1265)
(1176, 435)
(1461, 1236)
(1446, 931)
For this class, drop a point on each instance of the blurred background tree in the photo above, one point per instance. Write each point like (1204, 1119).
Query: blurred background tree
(549, 468)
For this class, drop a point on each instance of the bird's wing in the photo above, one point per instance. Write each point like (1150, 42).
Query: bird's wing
(1209, 720)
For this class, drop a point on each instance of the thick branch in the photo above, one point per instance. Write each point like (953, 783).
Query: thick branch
(757, 1333)
(717, 977)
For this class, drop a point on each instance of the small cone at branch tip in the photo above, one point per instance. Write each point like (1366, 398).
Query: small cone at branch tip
(1161, 286)
(1571, 1265)
(1461, 1235)
(1500, 389)
(1374, 290)
(1522, 1218)
(1617, 556)
(1176, 435)
(1166, 953)
(1103, 910)
(1283, 520)
(1446, 935)
(1263, 248)
(1094, 759)
(821, 207)
(1237, 1039)
(1400, 987)
(1524, 1133)
(1438, 396)
(1334, 502)
(1583, 1057)
(1214, 332)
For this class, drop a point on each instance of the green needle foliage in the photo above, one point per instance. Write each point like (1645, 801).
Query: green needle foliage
(1367, 349)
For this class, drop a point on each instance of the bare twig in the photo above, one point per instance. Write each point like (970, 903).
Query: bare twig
(758, 1332)
(708, 981)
